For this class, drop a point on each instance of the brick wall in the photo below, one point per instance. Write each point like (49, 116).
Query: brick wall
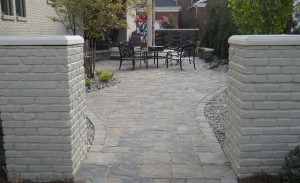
(42, 106)
(263, 121)
(194, 18)
(37, 21)
(186, 17)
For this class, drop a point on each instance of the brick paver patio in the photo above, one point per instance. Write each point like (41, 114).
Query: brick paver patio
(151, 127)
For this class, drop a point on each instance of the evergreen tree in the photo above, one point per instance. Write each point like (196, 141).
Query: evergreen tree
(218, 30)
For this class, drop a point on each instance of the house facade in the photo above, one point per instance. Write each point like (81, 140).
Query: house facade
(167, 8)
(194, 13)
(187, 13)
(33, 17)
(30, 17)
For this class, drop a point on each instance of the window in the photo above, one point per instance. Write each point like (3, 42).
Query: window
(6, 7)
(20, 8)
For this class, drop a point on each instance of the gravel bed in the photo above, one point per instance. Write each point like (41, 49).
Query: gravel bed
(98, 85)
(215, 108)
(215, 112)
(220, 68)
(90, 133)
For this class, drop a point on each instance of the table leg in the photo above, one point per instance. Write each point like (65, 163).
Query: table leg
(157, 59)
(146, 59)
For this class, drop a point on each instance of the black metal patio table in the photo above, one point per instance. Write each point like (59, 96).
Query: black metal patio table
(148, 54)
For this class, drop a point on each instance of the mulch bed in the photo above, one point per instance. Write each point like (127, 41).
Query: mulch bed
(263, 178)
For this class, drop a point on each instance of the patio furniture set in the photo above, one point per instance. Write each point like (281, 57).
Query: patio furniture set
(184, 51)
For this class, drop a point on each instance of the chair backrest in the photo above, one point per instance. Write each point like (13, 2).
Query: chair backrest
(126, 42)
(188, 50)
(126, 49)
(179, 44)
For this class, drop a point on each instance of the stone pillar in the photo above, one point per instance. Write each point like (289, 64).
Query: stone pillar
(42, 107)
(263, 120)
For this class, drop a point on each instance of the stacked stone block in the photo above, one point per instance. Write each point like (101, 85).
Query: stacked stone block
(42, 105)
(263, 120)
(171, 37)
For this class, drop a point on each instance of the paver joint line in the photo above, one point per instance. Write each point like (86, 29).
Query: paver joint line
(151, 127)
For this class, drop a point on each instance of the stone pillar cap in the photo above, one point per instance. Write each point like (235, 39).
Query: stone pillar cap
(40, 40)
(266, 40)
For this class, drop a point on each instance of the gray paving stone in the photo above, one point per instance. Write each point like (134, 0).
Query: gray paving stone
(151, 128)
(156, 171)
(195, 181)
(124, 171)
(94, 173)
(127, 158)
(98, 141)
(140, 180)
(201, 149)
(163, 146)
(109, 149)
(156, 158)
(162, 180)
(178, 181)
(184, 129)
(213, 158)
(217, 171)
(99, 158)
(111, 141)
(82, 181)
(212, 181)
(187, 171)
(182, 147)
(187, 157)
(229, 180)
(113, 180)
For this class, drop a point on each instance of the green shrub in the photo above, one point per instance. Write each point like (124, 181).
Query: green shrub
(98, 72)
(219, 28)
(105, 76)
(217, 64)
(290, 172)
(88, 82)
(261, 16)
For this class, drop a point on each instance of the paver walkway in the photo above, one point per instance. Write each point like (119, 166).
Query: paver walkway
(151, 127)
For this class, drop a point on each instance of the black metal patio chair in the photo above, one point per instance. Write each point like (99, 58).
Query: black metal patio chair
(185, 52)
(179, 44)
(127, 53)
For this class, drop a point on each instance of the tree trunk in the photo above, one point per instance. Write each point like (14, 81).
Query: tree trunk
(90, 57)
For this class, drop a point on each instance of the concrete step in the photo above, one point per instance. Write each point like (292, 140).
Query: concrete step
(115, 57)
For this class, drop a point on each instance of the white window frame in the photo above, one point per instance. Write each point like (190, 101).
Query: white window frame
(8, 5)
(20, 8)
